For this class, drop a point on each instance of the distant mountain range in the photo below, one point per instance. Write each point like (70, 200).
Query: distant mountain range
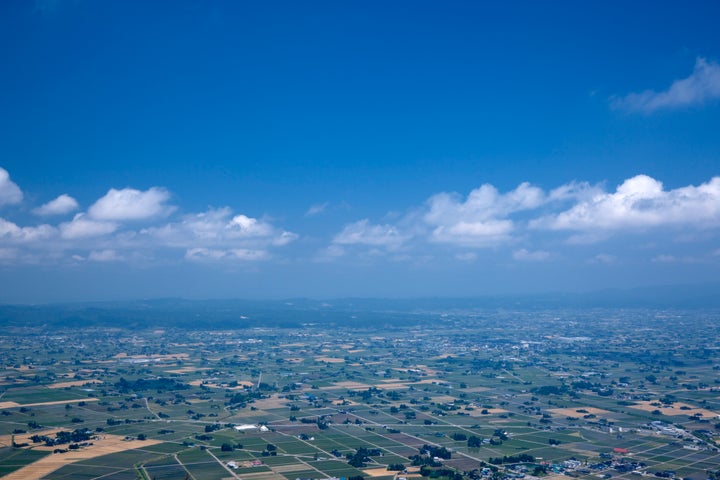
(348, 311)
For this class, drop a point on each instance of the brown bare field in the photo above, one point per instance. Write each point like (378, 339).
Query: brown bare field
(263, 476)
(443, 399)
(675, 409)
(429, 381)
(156, 356)
(476, 389)
(183, 370)
(348, 385)
(395, 385)
(273, 402)
(330, 359)
(104, 445)
(377, 472)
(572, 412)
(6, 440)
(491, 411)
(75, 383)
(58, 402)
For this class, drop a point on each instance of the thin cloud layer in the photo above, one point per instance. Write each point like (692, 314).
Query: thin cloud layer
(10, 193)
(364, 233)
(701, 87)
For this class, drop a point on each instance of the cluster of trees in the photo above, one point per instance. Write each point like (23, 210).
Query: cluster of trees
(521, 458)
(229, 447)
(142, 384)
(440, 452)
(361, 456)
(63, 437)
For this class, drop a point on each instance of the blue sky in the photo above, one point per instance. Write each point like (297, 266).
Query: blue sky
(393, 149)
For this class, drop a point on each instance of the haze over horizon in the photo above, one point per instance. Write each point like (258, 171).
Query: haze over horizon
(366, 149)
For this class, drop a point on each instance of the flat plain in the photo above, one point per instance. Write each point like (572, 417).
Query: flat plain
(584, 393)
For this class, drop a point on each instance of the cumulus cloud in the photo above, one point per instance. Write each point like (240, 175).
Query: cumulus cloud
(364, 233)
(220, 229)
(701, 87)
(244, 226)
(10, 193)
(12, 233)
(528, 256)
(83, 227)
(480, 219)
(641, 202)
(131, 204)
(60, 206)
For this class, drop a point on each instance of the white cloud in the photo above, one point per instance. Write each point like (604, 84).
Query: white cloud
(218, 228)
(639, 203)
(578, 191)
(466, 256)
(363, 233)
(10, 232)
(131, 204)
(481, 219)
(284, 238)
(474, 234)
(604, 258)
(8, 254)
(83, 227)
(663, 258)
(107, 255)
(209, 254)
(701, 87)
(244, 226)
(528, 256)
(60, 206)
(316, 209)
(10, 193)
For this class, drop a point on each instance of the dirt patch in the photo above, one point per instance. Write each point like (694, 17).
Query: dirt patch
(272, 402)
(378, 472)
(103, 445)
(431, 381)
(58, 402)
(677, 408)
(183, 370)
(330, 359)
(573, 412)
(395, 385)
(490, 411)
(76, 383)
(348, 385)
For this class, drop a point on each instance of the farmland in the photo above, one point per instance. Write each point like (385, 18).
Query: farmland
(453, 393)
